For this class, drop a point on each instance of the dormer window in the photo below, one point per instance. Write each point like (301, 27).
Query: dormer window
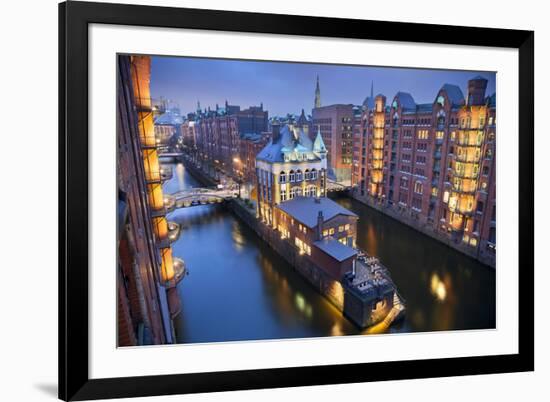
(441, 100)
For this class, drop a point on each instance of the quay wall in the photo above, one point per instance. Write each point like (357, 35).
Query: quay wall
(345, 301)
(320, 280)
(429, 230)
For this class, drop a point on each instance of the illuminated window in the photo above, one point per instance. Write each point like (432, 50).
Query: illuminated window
(347, 227)
(283, 195)
(418, 187)
(325, 233)
(439, 135)
(473, 242)
(422, 134)
(340, 229)
(446, 197)
(331, 231)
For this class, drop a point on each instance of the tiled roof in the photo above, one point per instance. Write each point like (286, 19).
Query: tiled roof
(306, 209)
(335, 249)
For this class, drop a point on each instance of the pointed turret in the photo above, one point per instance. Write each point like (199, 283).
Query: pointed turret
(198, 107)
(317, 94)
(319, 145)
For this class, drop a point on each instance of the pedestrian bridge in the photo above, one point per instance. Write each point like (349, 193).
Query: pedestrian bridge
(197, 196)
(336, 186)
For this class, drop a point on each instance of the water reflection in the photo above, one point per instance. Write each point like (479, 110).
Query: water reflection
(438, 288)
(443, 288)
(240, 289)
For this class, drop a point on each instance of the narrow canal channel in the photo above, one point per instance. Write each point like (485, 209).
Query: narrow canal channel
(239, 289)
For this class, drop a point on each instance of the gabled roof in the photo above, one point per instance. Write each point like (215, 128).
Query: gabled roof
(306, 209)
(454, 93)
(406, 100)
(335, 249)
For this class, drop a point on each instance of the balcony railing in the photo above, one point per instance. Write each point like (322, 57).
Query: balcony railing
(464, 157)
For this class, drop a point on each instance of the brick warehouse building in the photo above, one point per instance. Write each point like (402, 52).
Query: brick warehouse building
(432, 165)
(218, 133)
(335, 122)
(147, 272)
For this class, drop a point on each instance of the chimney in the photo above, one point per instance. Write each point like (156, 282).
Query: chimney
(276, 131)
(320, 221)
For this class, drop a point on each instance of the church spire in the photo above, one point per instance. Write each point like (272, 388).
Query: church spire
(198, 107)
(317, 94)
(372, 89)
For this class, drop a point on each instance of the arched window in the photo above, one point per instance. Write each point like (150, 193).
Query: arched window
(298, 175)
(306, 175)
(404, 182)
(418, 187)
(282, 177)
(291, 176)
(295, 192)
(312, 191)
(441, 118)
(313, 174)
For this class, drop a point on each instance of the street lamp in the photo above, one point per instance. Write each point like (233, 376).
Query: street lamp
(237, 161)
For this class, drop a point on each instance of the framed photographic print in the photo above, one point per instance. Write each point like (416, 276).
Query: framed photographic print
(257, 200)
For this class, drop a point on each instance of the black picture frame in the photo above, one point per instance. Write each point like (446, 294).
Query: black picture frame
(74, 18)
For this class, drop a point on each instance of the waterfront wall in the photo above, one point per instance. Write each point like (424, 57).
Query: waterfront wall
(429, 230)
(320, 280)
(360, 312)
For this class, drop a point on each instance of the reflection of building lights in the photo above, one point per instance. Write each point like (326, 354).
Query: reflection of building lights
(336, 330)
(299, 301)
(438, 288)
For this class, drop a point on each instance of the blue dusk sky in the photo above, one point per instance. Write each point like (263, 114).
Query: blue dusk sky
(288, 87)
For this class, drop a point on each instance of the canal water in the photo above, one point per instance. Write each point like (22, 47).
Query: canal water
(239, 289)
